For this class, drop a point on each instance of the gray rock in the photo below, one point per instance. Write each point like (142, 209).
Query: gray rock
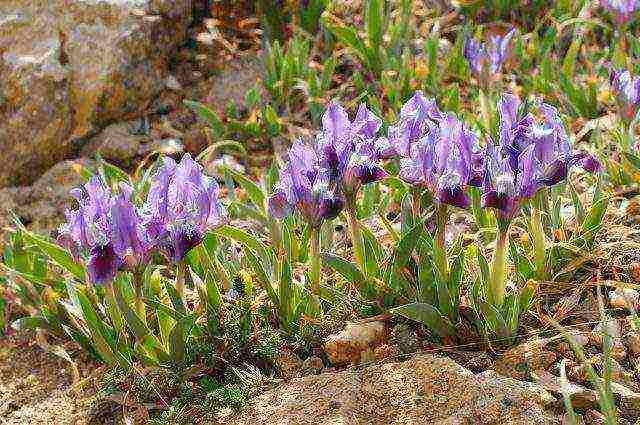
(71, 67)
(119, 143)
(423, 390)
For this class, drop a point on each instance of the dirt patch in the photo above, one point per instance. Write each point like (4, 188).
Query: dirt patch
(36, 387)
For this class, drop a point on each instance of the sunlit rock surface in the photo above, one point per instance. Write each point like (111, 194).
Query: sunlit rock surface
(71, 67)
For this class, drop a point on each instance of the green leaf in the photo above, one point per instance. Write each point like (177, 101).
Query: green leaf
(30, 323)
(261, 275)
(246, 239)
(494, 320)
(347, 269)
(254, 191)
(429, 316)
(374, 22)
(207, 115)
(59, 255)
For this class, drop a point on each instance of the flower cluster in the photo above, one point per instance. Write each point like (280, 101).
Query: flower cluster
(436, 151)
(623, 11)
(486, 59)
(532, 154)
(319, 179)
(627, 91)
(114, 233)
(440, 153)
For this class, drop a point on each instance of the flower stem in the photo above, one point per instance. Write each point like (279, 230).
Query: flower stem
(180, 278)
(498, 279)
(440, 249)
(138, 303)
(314, 261)
(537, 237)
(356, 236)
(484, 109)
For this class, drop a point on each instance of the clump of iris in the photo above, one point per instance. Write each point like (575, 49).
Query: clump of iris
(321, 179)
(533, 154)
(486, 58)
(437, 153)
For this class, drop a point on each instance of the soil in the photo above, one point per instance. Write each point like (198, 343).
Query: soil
(37, 387)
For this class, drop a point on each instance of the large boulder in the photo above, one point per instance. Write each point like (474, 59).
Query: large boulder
(70, 67)
(424, 390)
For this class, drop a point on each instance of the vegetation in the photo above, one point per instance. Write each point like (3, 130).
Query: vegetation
(164, 268)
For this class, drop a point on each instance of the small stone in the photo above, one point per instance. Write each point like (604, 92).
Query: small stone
(581, 398)
(172, 83)
(632, 340)
(348, 346)
(312, 365)
(519, 361)
(387, 353)
(593, 417)
(290, 364)
(119, 143)
(405, 338)
(625, 298)
(610, 327)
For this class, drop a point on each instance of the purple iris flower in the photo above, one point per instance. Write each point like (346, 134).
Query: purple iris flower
(108, 228)
(623, 11)
(417, 117)
(306, 186)
(547, 137)
(627, 91)
(181, 206)
(486, 59)
(505, 189)
(446, 160)
(347, 150)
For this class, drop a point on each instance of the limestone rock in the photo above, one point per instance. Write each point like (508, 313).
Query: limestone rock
(356, 341)
(71, 67)
(119, 143)
(625, 298)
(423, 390)
(581, 398)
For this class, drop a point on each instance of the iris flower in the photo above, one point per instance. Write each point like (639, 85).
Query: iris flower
(446, 160)
(106, 227)
(181, 206)
(552, 151)
(486, 59)
(306, 186)
(347, 150)
(417, 118)
(623, 11)
(627, 91)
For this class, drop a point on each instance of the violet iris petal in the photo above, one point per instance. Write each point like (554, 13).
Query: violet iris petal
(417, 118)
(627, 91)
(103, 264)
(181, 206)
(623, 11)
(486, 59)
(127, 235)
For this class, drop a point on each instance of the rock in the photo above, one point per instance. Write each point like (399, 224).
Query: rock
(354, 342)
(581, 398)
(289, 364)
(232, 84)
(405, 338)
(632, 340)
(170, 147)
(628, 400)
(384, 353)
(41, 206)
(519, 361)
(593, 417)
(618, 373)
(119, 143)
(312, 366)
(423, 390)
(71, 67)
(625, 298)
(613, 329)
